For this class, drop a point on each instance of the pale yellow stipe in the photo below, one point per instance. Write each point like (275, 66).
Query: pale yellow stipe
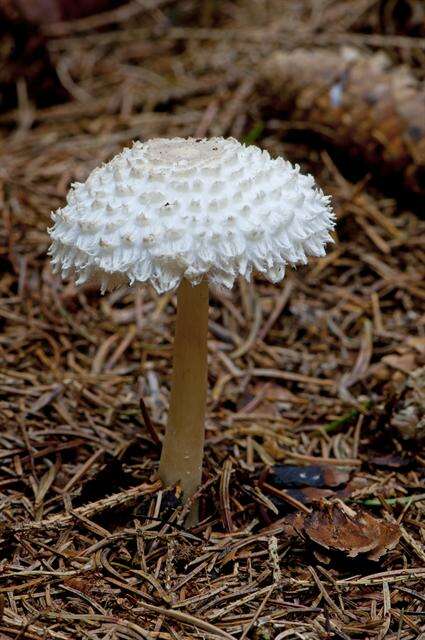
(182, 452)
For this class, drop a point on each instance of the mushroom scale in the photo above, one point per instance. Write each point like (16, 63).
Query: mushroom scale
(176, 208)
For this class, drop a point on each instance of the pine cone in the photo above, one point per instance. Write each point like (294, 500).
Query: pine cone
(365, 105)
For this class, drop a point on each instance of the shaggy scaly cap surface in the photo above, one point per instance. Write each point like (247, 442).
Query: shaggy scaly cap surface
(169, 209)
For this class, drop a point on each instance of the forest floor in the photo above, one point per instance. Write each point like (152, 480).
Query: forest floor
(312, 508)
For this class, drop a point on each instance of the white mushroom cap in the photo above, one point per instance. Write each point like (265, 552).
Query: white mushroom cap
(178, 208)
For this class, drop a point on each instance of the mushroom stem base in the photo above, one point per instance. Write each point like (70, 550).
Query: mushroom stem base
(183, 448)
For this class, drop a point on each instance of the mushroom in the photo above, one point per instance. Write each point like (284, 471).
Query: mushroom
(183, 214)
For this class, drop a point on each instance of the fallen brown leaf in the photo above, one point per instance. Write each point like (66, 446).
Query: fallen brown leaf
(307, 495)
(335, 526)
(405, 363)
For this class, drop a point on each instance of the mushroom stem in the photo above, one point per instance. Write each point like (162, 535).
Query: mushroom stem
(183, 447)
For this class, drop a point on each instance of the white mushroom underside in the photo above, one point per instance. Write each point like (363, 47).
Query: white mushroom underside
(174, 208)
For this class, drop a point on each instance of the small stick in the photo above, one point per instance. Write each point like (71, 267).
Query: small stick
(147, 420)
(62, 521)
(285, 496)
(226, 513)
